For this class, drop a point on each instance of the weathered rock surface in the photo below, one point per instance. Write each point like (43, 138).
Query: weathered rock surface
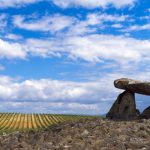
(135, 86)
(86, 134)
(146, 113)
(124, 107)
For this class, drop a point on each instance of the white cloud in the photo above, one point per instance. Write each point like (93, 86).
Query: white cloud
(16, 3)
(11, 50)
(93, 3)
(70, 3)
(46, 48)
(97, 47)
(53, 90)
(117, 25)
(82, 106)
(138, 27)
(12, 36)
(93, 48)
(51, 23)
(113, 18)
(94, 22)
(55, 96)
(96, 18)
(52, 108)
(76, 41)
(72, 24)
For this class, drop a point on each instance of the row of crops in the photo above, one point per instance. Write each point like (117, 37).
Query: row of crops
(10, 122)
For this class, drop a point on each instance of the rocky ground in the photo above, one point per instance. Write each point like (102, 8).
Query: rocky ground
(85, 134)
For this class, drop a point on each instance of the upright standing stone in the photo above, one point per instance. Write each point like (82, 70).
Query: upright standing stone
(146, 113)
(124, 107)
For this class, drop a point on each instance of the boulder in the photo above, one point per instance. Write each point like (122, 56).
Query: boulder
(124, 108)
(146, 113)
(135, 86)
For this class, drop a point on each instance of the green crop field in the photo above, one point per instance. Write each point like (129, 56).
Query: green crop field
(11, 122)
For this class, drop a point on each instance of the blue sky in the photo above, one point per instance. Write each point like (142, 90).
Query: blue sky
(62, 56)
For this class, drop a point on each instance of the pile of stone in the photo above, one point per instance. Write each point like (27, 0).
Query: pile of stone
(124, 107)
(85, 134)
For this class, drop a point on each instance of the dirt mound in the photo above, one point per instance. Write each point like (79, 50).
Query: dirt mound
(85, 134)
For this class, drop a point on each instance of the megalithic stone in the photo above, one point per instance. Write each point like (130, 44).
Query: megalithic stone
(135, 86)
(124, 108)
(146, 113)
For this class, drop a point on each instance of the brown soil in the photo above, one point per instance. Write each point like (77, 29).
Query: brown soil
(85, 134)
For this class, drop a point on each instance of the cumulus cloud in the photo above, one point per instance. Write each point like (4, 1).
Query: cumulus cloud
(49, 90)
(117, 25)
(70, 3)
(112, 18)
(93, 3)
(95, 22)
(93, 48)
(138, 27)
(51, 23)
(51, 107)
(56, 96)
(11, 50)
(16, 3)
(73, 25)
(90, 48)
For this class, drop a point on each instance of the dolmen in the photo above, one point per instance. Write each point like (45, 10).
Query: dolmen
(124, 108)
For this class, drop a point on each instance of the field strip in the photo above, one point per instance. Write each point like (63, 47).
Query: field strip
(48, 119)
(25, 124)
(12, 126)
(2, 119)
(45, 120)
(33, 119)
(17, 122)
(41, 121)
(4, 122)
(10, 122)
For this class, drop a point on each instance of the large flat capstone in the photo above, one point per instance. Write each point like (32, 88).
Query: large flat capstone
(135, 86)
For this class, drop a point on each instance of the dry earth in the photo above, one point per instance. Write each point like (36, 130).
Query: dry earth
(85, 134)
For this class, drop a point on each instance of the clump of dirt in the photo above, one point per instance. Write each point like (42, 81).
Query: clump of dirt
(85, 134)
